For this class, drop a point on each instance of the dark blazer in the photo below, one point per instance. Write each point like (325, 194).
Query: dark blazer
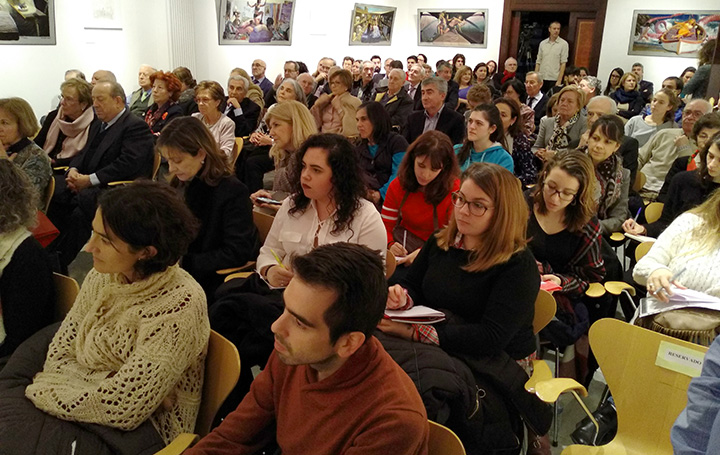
(265, 86)
(247, 122)
(270, 98)
(417, 99)
(398, 106)
(450, 123)
(646, 90)
(173, 111)
(540, 108)
(365, 92)
(453, 93)
(629, 152)
(227, 237)
(122, 152)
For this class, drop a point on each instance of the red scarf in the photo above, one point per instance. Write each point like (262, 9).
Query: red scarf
(506, 76)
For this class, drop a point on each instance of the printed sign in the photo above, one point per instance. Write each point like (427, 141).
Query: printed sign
(680, 359)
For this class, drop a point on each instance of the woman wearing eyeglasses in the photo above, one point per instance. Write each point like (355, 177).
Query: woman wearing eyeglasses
(209, 95)
(564, 236)
(479, 272)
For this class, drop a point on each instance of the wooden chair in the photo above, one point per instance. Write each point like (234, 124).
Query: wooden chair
(639, 182)
(443, 441)
(66, 291)
(653, 211)
(237, 148)
(222, 371)
(263, 222)
(648, 397)
(390, 264)
(49, 191)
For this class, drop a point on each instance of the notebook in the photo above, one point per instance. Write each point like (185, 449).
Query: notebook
(416, 315)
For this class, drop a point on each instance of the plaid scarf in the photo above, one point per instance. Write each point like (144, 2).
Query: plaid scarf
(609, 176)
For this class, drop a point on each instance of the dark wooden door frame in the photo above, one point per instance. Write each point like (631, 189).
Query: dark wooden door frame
(508, 43)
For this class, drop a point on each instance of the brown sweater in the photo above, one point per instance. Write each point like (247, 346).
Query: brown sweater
(369, 406)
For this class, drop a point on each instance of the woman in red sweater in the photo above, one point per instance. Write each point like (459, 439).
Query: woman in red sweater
(418, 201)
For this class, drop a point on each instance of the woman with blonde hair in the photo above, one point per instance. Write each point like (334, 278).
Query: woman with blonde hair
(464, 78)
(562, 131)
(17, 124)
(628, 97)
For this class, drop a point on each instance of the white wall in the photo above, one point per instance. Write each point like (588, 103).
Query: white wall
(616, 36)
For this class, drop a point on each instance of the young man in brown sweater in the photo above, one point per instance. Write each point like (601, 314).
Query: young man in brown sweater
(329, 386)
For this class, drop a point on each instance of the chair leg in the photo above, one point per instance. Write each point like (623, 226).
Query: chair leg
(556, 411)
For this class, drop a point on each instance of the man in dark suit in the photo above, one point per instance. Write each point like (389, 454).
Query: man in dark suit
(436, 115)
(240, 109)
(396, 101)
(119, 148)
(444, 70)
(416, 74)
(646, 88)
(536, 99)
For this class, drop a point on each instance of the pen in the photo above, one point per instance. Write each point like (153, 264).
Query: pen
(637, 215)
(404, 239)
(675, 276)
(277, 258)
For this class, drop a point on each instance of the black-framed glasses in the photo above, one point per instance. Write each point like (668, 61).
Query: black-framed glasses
(551, 190)
(476, 208)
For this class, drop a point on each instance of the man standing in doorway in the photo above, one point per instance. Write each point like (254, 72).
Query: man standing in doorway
(552, 58)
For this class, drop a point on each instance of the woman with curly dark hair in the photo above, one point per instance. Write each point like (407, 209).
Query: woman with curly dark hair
(166, 89)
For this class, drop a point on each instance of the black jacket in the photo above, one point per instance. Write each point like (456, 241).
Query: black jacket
(453, 93)
(540, 108)
(173, 111)
(450, 123)
(379, 168)
(398, 106)
(629, 152)
(246, 123)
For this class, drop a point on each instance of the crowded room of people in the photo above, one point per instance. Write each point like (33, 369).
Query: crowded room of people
(263, 227)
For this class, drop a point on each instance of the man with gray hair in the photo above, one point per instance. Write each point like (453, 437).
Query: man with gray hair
(536, 99)
(308, 84)
(435, 114)
(444, 70)
(239, 108)
(591, 86)
(102, 76)
(396, 101)
(142, 98)
(416, 74)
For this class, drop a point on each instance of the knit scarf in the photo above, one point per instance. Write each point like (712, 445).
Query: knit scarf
(609, 176)
(622, 97)
(9, 242)
(506, 76)
(560, 138)
(156, 112)
(76, 133)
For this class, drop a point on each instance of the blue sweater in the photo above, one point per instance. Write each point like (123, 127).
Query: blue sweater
(494, 154)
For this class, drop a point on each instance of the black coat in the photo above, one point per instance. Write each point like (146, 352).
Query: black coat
(450, 123)
(540, 108)
(173, 111)
(453, 94)
(398, 106)
(227, 237)
(379, 168)
(246, 123)
(629, 152)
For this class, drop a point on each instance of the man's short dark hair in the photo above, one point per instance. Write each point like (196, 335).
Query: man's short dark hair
(396, 64)
(412, 57)
(349, 58)
(375, 57)
(357, 276)
(572, 71)
(678, 82)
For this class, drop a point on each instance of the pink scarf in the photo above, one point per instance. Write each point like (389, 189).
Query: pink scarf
(76, 133)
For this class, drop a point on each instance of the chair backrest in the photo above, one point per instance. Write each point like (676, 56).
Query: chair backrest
(236, 151)
(443, 441)
(390, 264)
(263, 222)
(639, 182)
(653, 211)
(66, 291)
(222, 370)
(648, 397)
(642, 249)
(545, 308)
(49, 191)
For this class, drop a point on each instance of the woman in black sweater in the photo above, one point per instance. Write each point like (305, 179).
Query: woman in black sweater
(227, 237)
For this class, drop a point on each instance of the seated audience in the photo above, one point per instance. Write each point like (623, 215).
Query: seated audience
(327, 205)
(396, 101)
(562, 131)
(258, 76)
(628, 97)
(536, 100)
(25, 308)
(662, 115)
(656, 157)
(253, 92)
(239, 108)
(591, 86)
(119, 149)
(418, 201)
(17, 125)
(367, 85)
(187, 90)
(480, 273)
(141, 99)
(209, 96)
(324, 353)
(645, 87)
(510, 72)
(687, 74)
(571, 78)
(434, 116)
(102, 76)
(380, 150)
(308, 84)
(335, 112)
(166, 91)
(613, 81)
(444, 71)
(485, 142)
(565, 238)
(124, 370)
(478, 94)
(515, 90)
(227, 235)
(415, 75)
(492, 68)
(525, 163)
(66, 130)
(463, 77)
(480, 73)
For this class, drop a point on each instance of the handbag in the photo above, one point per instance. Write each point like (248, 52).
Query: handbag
(403, 236)
(696, 325)
(45, 231)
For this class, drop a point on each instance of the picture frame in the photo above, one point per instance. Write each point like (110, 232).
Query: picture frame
(463, 27)
(372, 25)
(267, 22)
(22, 22)
(103, 15)
(672, 33)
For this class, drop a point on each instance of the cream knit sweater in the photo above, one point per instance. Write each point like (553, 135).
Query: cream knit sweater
(129, 352)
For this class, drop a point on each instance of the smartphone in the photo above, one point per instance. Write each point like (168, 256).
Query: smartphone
(267, 200)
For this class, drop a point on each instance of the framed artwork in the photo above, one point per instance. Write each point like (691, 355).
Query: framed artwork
(452, 27)
(103, 15)
(672, 34)
(27, 22)
(256, 22)
(371, 25)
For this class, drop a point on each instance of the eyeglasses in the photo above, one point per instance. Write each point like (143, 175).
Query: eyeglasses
(476, 208)
(203, 100)
(551, 190)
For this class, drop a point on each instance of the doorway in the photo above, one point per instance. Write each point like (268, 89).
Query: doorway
(533, 29)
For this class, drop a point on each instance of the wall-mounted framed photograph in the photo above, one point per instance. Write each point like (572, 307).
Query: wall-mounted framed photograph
(452, 27)
(372, 25)
(256, 22)
(103, 15)
(672, 33)
(27, 22)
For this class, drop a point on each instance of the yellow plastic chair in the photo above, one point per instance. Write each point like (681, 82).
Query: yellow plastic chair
(390, 264)
(66, 291)
(639, 182)
(653, 211)
(648, 397)
(222, 371)
(642, 249)
(236, 151)
(443, 441)
(49, 191)
(263, 222)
